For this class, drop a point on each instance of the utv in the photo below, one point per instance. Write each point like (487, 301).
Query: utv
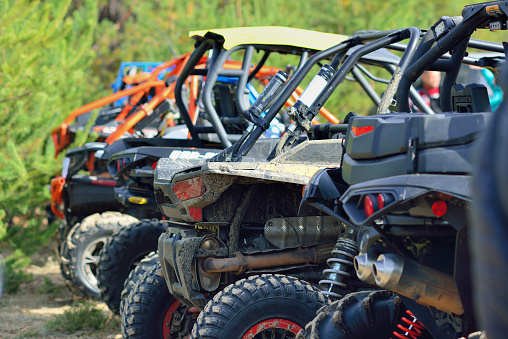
(76, 196)
(130, 90)
(237, 214)
(405, 189)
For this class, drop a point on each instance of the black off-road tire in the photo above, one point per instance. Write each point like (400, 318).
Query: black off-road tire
(151, 312)
(124, 249)
(360, 315)
(85, 242)
(65, 262)
(64, 251)
(141, 268)
(273, 304)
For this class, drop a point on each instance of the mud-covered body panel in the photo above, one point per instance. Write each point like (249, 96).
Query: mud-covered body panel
(294, 167)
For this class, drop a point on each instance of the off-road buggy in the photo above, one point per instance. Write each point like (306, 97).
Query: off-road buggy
(488, 225)
(77, 194)
(131, 90)
(227, 206)
(404, 188)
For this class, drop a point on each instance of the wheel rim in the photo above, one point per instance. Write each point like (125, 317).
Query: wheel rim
(177, 322)
(274, 329)
(90, 261)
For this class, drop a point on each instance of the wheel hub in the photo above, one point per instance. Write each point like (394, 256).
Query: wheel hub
(177, 321)
(90, 261)
(275, 328)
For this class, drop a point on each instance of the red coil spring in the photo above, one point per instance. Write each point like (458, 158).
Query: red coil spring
(411, 329)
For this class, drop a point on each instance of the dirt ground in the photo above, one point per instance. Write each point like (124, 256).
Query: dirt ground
(24, 314)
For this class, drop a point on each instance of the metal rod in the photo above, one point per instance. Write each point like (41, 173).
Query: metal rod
(357, 74)
(189, 67)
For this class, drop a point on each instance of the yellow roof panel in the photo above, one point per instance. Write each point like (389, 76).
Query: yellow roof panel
(273, 35)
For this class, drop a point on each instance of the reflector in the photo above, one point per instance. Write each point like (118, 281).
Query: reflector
(357, 131)
(439, 208)
(190, 188)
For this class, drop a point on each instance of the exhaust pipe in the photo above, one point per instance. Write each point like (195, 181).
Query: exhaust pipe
(424, 285)
(363, 266)
(240, 263)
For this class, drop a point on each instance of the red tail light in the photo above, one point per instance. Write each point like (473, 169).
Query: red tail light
(196, 213)
(439, 208)
(190, 188)
(380, 201)
(121, 163)
(154, 165)
(383, 200)
(368, 206)
(357, 131)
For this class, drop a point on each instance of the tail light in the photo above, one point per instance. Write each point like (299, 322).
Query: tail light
(359, 130)
(439, 208)
(368, 205)
(121, 163)
(384, 200)
(380, 201)
(196, 213)
(190, 188)
(376, 202)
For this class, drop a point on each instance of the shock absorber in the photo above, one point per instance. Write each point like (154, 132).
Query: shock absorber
(411, 328)
(341, 266)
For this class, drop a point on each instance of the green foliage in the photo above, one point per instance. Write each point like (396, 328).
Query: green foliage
(48, 287)
(15, 275)
(45, 51)
(81, 316)
(28, 334)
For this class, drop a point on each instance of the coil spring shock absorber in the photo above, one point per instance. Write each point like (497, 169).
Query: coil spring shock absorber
(411, 328)
(341, 264)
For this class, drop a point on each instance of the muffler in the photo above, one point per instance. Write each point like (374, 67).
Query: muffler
(424, 285)
(363, 266)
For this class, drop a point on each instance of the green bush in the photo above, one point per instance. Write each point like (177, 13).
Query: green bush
(15, 275)
(46, 51)
(48, 287)
(81, 316)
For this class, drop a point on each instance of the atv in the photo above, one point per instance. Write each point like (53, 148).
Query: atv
(407, 199)
(488, 223)
(76, 196)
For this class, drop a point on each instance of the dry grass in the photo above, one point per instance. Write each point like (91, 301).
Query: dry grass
(44, 300)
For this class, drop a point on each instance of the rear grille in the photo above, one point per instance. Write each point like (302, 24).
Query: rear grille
(160, 198)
